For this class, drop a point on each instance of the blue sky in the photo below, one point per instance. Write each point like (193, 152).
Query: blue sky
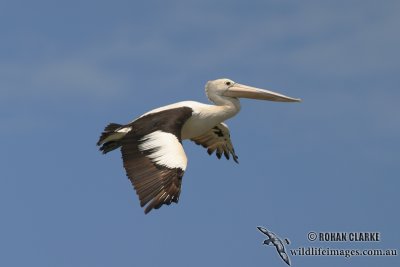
(330, 163)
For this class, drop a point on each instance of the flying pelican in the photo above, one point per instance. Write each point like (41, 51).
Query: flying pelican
(151, 145)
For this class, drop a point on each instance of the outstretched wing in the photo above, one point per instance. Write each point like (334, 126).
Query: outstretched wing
(154, 158)
(217, 139)
(266, 232)
(284, 257)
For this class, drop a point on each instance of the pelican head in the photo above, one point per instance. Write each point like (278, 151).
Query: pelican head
(222, 88)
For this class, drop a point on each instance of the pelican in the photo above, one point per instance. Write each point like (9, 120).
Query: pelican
(151, 145)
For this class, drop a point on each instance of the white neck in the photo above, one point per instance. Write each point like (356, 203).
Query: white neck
(207, 116)
(225, 108)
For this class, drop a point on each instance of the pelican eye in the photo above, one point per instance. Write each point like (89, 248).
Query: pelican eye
(228, 83)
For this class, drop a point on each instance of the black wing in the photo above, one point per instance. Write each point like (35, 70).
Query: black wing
(153, 156)
(217, 139)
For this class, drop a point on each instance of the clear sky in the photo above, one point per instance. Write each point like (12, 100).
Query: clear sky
(328, 164)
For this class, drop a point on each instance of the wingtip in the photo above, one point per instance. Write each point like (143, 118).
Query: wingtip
(147, 209)
(262, 229)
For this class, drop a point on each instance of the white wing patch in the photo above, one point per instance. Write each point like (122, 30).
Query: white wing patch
(168, 151)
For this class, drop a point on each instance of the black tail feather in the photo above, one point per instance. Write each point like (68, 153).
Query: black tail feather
(110, 146)
(112, 127)
(108, 131)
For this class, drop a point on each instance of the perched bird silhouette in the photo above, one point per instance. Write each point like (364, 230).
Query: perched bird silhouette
(273, 239)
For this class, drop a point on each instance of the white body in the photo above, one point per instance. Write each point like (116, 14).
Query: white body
(204, 116)
(224, 93)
